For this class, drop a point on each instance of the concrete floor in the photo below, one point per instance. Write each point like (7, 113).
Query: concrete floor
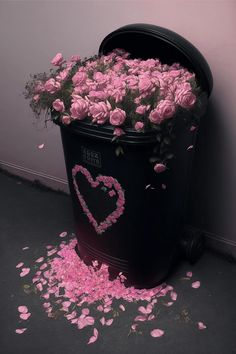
(34, 217)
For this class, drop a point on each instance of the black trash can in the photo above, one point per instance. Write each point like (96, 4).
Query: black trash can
(126, 215)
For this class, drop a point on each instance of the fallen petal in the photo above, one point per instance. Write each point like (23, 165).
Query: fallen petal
(23, 309)
(196, 284)
(173, 295)
(189, 274)
(85, 311)
(151, 317)
(20, 330)
(39, 260)
(25, 248)
(24, 272)
(201, 325)
(190, 147)
(25, 316)
(140, 318)
(144, 310)
(94, 337)
(19, 265)
(109, 322)
(122, 307)
(103, 321)
(168, 303)
(41, 146)
(63, 234)
(157, 333)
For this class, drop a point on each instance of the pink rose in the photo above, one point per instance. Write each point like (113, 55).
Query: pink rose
(52, 85)
(138, 126)
(66, 120)
(117, 117)
(36, 98)
(142, 109)
(58, 105)
(145, 84)
(79, 108)
(79, 78)
(159, 167)
(165, 109)
(101, 95)
(62, 75)
(57, 60)
(118, 132)
(75, 58)
(100, 112)
(184, 96)
(39, 87)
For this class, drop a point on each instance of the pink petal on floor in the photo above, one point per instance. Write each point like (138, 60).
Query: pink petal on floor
(192, 128)
(190, 147)
(39, 260)
(151, 317)
(196, 284)
(19, 265)
(43, 266)
(189, 274)
(85, 311)
(95, 263)
(144, 310)
(20, 330)
(147, 186)
(23, 309)
(157, 333)
(39, 287)
(89, 320)
(41, 146)
(168, 303)
(109, 322)
(201, 325)
(103, 321)
(107, 309)
(134, 326)
(140, 318)
(63, 234)
(94, 337)
(51, 252)
(24, 272)
(122, 307)
(46, 305)
(173, 295)
(25, 248)
(66, 303)
(25, 316)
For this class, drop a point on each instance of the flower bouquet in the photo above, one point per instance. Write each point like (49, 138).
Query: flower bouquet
(123, 93)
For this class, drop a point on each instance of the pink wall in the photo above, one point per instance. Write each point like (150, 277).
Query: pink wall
(32, 32)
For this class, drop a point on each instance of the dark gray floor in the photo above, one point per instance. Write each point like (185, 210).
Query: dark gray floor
(32, 217)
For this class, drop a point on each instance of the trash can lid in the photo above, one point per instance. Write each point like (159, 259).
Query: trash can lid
(150, 41)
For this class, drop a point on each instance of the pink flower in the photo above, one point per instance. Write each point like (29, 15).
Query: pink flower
(118, 132)
(57, 60)
(66, 120)
(39, 87)
(117, 117)
(138, 126)
(79, 109)
(62, 75)
(75, 58)
(58, 105)
(145, 84)
(184, 96)
(52, 85)
(79, 78)
(36, 98)
(142, 109)
(99, 112)
(159, 167)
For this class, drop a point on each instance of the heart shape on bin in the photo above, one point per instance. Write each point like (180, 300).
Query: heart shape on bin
(100, 181)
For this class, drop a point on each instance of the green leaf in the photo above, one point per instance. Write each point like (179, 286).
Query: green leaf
(119, 150)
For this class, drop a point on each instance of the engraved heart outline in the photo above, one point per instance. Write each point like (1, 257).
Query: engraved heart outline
(109, 182)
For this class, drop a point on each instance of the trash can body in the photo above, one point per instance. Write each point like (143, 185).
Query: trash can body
(127, 215)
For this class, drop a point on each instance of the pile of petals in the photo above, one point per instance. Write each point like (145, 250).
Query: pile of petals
(114, 90)
(73, 289)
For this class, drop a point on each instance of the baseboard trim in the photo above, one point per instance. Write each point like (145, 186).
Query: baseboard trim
(53, 182)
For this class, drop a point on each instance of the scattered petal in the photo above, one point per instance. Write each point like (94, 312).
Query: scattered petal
(24, 272)
(192, 128)
(94, 337)
(20, 330)
(95, 263)
(144, 310)
(196, 284)
(23, 309)
(25, 248)
(39, 260)
(173, 295)
(103, 321)
(151, 317)
(19, 265)
(63, 234)
(190, 147)
(25, 316)
(147, 186)
(109, 322)
(189, 274)
(157, 333)
(134, 326)
(163, 186)
(140, 318)
(41, 146)
(122, 307)
(201, 325)
(168, 303)
(85, 311)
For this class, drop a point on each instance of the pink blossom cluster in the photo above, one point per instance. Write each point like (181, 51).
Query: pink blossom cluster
(112, 88)
(114, 188)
